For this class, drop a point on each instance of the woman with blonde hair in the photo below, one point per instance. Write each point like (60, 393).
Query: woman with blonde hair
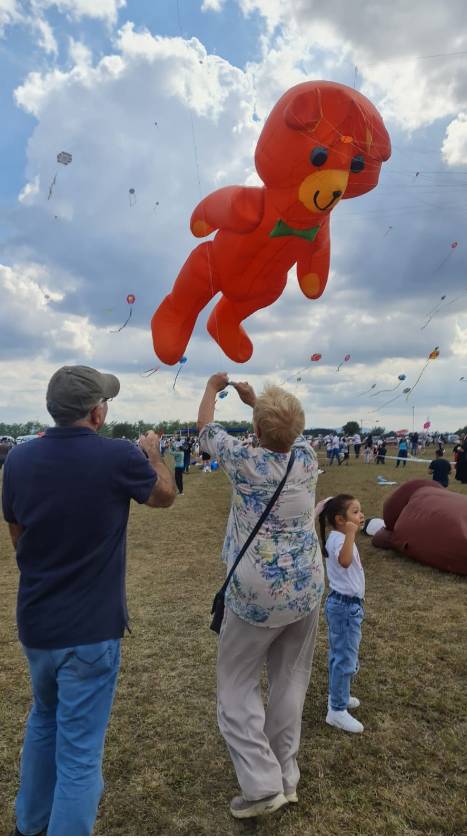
(272, 600)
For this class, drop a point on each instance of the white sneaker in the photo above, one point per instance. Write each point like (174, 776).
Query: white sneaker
(241, 808)
(352, 705)
(343, 720)
(292, 796)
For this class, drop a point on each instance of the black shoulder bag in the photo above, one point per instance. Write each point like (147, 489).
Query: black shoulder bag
(218, 604)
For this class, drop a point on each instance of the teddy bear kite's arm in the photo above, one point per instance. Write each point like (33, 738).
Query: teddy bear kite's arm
(313, 263)
(238, 209)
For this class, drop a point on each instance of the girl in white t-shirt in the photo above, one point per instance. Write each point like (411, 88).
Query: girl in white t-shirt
(344, 605)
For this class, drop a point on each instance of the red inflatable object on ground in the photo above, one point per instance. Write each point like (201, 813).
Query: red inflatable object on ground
(322, 142)
(428, 523)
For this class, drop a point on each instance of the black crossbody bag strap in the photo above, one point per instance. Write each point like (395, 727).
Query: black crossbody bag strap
(259, 523)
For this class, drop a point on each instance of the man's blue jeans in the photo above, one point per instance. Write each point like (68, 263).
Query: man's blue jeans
(61, 764)
(344, 617)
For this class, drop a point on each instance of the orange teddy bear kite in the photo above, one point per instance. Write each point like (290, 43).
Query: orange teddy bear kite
(322, 142)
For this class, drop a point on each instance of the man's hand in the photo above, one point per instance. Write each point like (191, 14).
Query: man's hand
(218, 382)
(245, 391)
(163, 493)
(151, 444)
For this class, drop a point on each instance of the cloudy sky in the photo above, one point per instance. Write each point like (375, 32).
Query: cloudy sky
(168, 98)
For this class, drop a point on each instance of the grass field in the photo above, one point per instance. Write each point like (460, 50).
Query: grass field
(166, 767)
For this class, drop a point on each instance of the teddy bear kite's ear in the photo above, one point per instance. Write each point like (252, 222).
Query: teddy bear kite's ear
(304, 112)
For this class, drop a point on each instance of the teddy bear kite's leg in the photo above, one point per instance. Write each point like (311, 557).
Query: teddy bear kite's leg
(174, 320)
(224, 323)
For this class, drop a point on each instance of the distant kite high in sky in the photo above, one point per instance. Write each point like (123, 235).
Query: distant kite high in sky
(453, 247)
(314, 358)
(321, 143)
(345, 360)
(434, 354)
(367, 391)
(131, 299)
(65, 158)
(400, 378)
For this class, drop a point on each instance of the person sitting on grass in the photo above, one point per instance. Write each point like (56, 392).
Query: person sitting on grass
(272, 601)
(344, 605)
(440, 469)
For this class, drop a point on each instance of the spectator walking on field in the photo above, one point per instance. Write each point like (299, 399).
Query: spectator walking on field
(66, 498)
(357, 444)
(402, 453)
(335, 449)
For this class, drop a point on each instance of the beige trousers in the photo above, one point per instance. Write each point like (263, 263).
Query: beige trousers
(264, 742)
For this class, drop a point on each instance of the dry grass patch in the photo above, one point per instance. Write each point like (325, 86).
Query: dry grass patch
(166, 766)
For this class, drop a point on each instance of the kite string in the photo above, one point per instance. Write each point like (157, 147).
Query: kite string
(178, 373)
(419, 377)
(198, 178)
(114, 331)
(388, 390)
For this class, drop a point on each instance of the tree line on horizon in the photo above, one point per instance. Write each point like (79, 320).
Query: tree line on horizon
(132, 430)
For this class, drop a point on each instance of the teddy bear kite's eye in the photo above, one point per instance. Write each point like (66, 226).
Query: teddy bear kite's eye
(357, 164)
(319, 156)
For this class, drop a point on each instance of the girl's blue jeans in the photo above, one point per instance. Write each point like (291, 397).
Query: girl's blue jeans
(344, 617)
(61, 764)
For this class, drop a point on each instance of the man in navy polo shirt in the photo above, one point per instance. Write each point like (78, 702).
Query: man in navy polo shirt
(66, 498)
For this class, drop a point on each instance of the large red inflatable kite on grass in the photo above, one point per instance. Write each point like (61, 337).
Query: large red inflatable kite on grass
(322, 142)
(428, 523)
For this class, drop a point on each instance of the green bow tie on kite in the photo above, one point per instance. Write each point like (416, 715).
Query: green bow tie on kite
(283, 229)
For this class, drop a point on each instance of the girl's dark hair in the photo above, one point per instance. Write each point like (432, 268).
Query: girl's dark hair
(335, 506)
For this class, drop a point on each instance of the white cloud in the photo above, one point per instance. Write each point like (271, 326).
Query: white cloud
(9, 14)
(29, 190)
(106, 10)
(79, 53)
(409, 56)
(212, 5)
(454, 147)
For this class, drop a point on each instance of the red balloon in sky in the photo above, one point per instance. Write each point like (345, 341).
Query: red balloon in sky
(315, 357)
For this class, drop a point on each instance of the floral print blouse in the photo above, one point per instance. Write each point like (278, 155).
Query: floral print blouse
(280, 578)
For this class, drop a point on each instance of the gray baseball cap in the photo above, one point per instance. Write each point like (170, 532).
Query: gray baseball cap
(74, 391)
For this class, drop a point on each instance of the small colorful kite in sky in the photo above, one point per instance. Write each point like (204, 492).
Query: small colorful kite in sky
(443, 261)
(346, 358)
(65, 158)
(434, 354)
(131, 299)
